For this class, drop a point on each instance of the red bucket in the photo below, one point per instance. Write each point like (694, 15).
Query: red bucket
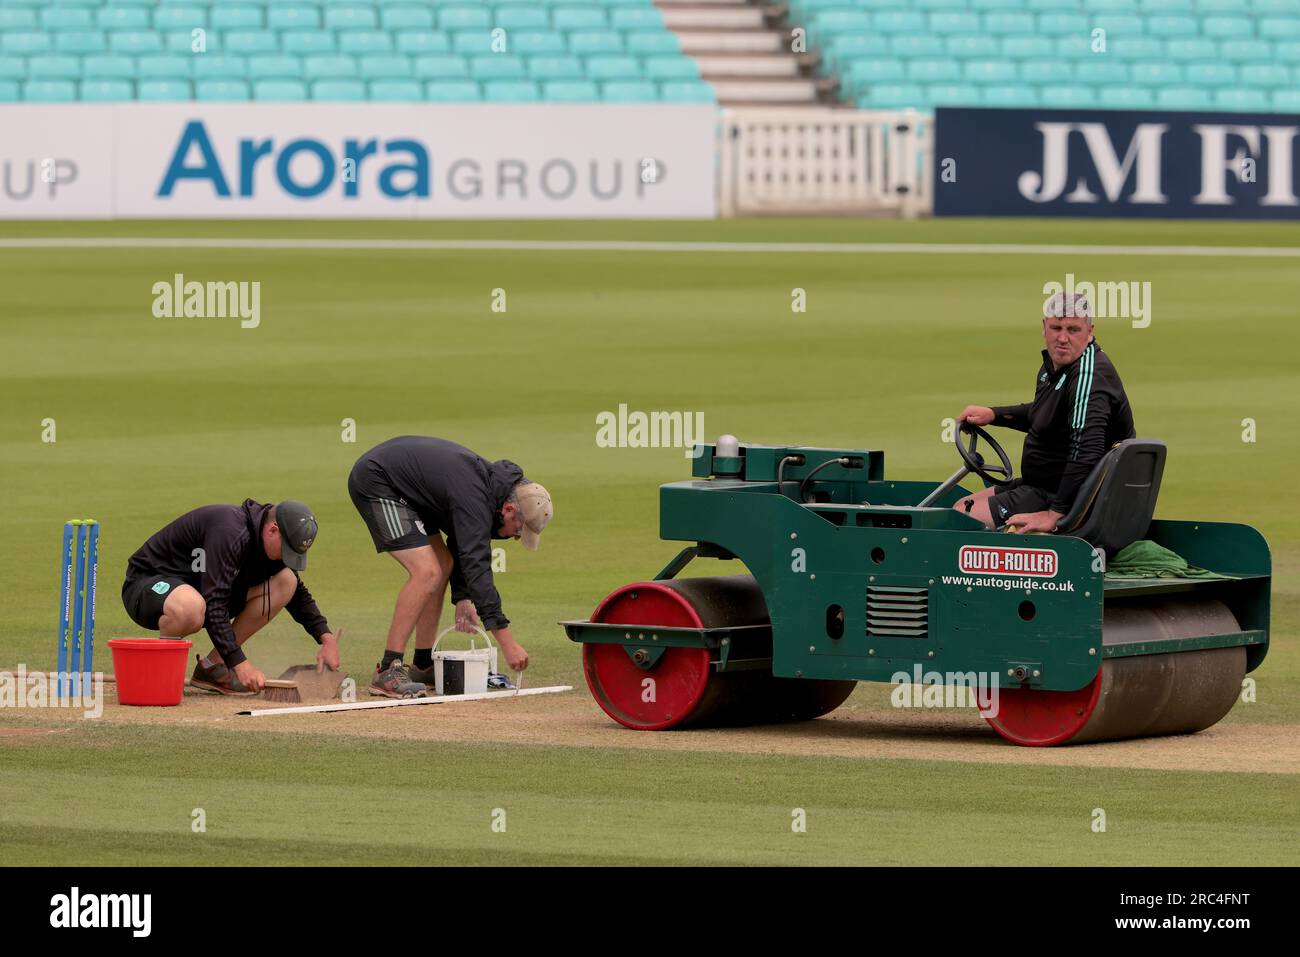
(150, 671)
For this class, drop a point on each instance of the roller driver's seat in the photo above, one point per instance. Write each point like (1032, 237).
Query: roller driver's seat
(1118, 498)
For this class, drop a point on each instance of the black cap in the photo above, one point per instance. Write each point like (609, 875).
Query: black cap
(297, 532)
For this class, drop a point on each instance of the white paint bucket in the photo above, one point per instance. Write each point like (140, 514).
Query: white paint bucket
(462, 672)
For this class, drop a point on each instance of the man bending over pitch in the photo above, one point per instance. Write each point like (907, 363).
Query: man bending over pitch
(411, 490)
(229, 569)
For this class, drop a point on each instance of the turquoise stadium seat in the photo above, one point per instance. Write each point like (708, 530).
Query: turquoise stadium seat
(107, 91)
(629, 91)
(351, 17)
(307, 42)
(535, 42)
(1246, 51)
(57, 18)
(1118, 25)
(865, 74)
(80, 42)
(1227, 28)
(1010, 96)
(595, 41)
(578, 18)
(110, 67)
(236, 17)
(971, 47)
(1157, 73)
(671, 68)
(395, 91)
(252, 41)
(1250, 101)
(123, 18)
(1264, 75)
(184, 41)
(636, 18)
(1065, 24)
(1191, 48)
(1007, 22)
(522, 18)
(1265, 7)
(898, 21)
(221, 90)
(625, 68)
(991, 72)
(446, 67)
(23, 42)
(1184, 98)
(1101, 72)
(329, 67)
(843, 49)
(1069, 95)
(339, 91)
(1026, 46)
(988, 6)
(570, 91)
(909, 45)
(953, 94)
(889, 96)
(299, 16)
(273, 66)
(951, 23)
(464, 18)
(133, 41)
(1287, 51)
(1179, 6)
(687, 91)
(933, 71)
(280, 91)
(164, 91)
(555, 68)
(1212, 74)
(1280, 28)
(384, 67)
(405, 18)
(646, 43)
(413, 42)
(17, 18)
(1050, 72)
(220, 66)
(497, 66)
(1125, 97)
(54, 67)
(1286, 101)
(511, 91)
(365, 41)
(1173, 26)
(1136, 48)
(49, 91)
(15, 68)
(451, 91)
(1074, 47)
(1051, 6)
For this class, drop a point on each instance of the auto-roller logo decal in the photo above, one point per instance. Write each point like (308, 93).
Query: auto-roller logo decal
(997, 560)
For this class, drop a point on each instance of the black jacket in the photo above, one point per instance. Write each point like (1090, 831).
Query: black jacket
(233, 562)
(1078, 413)
(454, 490)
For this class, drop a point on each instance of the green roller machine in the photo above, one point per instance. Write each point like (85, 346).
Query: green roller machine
(854, 577)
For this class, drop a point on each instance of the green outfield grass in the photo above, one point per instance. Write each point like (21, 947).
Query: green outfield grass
(156, 416)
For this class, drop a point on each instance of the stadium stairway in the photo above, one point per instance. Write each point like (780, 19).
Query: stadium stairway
(744, 50)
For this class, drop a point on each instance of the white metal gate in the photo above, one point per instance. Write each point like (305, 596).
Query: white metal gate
(832, 161)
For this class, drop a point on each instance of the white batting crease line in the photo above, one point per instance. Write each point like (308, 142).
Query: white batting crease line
(633, 246)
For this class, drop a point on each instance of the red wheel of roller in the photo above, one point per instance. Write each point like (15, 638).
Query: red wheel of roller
(1140, 695)
(680, 677)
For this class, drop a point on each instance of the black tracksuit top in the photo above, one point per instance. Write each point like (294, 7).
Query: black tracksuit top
(1078, 413)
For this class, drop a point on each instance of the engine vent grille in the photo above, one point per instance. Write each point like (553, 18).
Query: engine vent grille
(897, 612)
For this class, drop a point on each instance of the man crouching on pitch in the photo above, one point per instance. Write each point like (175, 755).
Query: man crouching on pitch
(229, 569)
(409, 490)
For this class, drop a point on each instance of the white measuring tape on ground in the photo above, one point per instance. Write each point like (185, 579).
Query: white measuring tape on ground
(402, 702)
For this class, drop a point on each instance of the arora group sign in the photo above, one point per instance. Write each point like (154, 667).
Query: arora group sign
(201, 160)
(1113, 163)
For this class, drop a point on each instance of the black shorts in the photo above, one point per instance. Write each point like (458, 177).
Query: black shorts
(145, 595)
(394, 525)
(1016, 497)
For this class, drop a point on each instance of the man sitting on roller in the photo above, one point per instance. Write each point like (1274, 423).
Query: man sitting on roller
(412, 489)
(1078, 413)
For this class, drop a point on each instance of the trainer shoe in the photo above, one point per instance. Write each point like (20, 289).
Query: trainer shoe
(498, 682)
(217, 678)
(395, 682)
(422, 675)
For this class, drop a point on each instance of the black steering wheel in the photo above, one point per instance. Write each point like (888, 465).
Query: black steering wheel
(975, 462)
